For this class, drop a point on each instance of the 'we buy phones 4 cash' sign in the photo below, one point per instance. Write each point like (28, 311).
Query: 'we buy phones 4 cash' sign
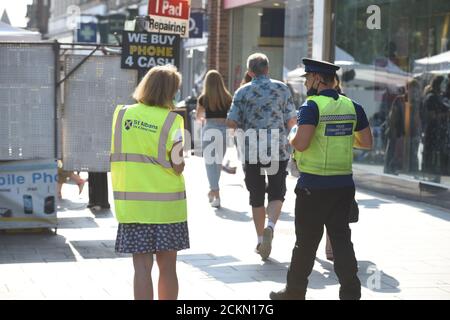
(170, 16)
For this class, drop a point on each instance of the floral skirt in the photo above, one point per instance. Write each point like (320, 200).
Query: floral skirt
(151, 238)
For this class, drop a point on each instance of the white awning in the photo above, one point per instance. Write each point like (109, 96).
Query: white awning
(434, 63)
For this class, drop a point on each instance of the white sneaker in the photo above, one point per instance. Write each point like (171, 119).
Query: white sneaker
(266, 245)
(215, 203)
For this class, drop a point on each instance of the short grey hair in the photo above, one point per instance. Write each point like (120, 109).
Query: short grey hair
(258, 63)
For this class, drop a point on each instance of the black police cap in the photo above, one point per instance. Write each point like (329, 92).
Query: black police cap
(317, 66)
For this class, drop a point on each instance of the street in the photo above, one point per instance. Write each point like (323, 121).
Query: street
(402, 247)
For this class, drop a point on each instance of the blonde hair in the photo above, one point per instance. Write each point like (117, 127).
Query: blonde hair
(215, 96)
(158, 87)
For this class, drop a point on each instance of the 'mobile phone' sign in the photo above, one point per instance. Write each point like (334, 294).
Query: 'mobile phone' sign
(170, 16)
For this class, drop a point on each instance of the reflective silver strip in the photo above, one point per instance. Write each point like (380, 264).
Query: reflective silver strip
(118, 131)
(343, 117)
(149, 196)
(163, 139)
(132, 157)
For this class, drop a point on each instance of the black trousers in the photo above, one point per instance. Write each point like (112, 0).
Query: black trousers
(315, 209)
(98, 190)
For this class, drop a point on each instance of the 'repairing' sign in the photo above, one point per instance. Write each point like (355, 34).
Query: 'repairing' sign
(170, 16)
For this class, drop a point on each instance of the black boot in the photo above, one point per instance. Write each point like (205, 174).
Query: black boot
(284, 294)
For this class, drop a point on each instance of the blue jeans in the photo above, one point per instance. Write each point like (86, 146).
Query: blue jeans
(214, 147)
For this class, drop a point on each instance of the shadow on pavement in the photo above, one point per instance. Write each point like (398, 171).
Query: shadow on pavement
(233, 272)
(369, 275)
(371, 203)
(97, 249)
(76, 222)
(68, 205)
(33, 247)
(102, 214)
(286, 216)
(225, 213)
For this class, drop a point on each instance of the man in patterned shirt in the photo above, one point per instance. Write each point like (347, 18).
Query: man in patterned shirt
(263, 112)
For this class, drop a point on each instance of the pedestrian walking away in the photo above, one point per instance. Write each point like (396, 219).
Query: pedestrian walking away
(212, 108)
(263, 112)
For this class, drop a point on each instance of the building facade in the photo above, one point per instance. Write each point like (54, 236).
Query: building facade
(394, 57)
(38, 14)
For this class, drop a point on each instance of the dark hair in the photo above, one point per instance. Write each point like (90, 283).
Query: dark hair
(245, 79)
(436, 83)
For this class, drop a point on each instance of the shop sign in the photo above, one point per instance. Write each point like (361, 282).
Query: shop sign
(27, 194)
(196, 25)
(144, 50)
(169, 16)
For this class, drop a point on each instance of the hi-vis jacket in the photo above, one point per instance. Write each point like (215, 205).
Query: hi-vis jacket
(331, 150)
(146, 188)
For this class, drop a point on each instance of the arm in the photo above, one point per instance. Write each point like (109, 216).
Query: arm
(289, 111)
(303, 137)
(176, 158)
(308, 118)
(363, 139)
(235, 114)
(200, 113)
(291, 123)
(231, 124)
(363, 133)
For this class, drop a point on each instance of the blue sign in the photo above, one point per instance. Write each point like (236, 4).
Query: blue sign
(196, 25)
(87, 33)
(343, 129)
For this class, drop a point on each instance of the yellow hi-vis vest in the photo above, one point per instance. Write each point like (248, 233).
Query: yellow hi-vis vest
(331, 150)
(146, 188)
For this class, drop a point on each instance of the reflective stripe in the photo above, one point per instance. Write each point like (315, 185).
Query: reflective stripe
(132, 157)
(148, 196)
(163, 139)
(339, 117)
(118, 131)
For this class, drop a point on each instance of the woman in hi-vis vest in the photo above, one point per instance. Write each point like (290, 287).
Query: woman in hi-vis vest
(149, 189)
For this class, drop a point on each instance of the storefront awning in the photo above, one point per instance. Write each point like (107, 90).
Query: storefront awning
(229, 4)
(434, 63)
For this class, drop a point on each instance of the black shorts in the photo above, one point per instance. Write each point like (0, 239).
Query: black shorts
(255, 181)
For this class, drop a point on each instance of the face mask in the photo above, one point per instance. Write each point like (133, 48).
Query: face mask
(312, 92)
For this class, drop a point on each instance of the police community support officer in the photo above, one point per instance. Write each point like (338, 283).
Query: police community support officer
(329, 125)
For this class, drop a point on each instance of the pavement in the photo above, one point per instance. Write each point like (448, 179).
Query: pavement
(402, 247)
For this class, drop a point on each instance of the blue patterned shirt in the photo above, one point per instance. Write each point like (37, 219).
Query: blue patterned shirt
(264, 104)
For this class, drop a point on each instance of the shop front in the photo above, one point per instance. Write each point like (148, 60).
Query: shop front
(395, 60)
(255, 26)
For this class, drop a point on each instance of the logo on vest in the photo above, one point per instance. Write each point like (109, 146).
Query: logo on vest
(128, 124)
(141, 125)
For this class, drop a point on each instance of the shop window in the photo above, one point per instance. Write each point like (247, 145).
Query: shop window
(272, 27)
